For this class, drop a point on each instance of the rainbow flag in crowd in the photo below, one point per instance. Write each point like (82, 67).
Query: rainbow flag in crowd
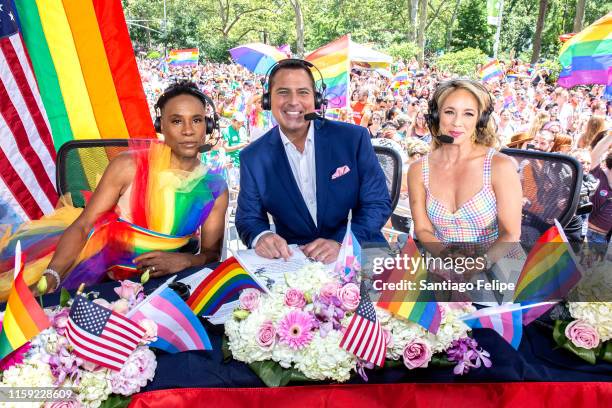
(587, 57)
(178, 328)
(506, 320)
(550, 270)
(399, 79)
(220, 287)
(333, 61)
(425, 313)
(85, 68)
(490, 71)
(187, 56)
(23, 318)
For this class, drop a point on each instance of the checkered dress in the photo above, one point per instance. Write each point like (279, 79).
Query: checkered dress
(474, 222)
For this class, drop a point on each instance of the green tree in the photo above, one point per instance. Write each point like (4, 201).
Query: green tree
(472, 28)
(462, 62)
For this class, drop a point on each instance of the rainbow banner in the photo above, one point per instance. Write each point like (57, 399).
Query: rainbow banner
(424, 313)
(334, 63)
(183, 57)
(220, 287)
(85, 68)
(491, 71)
(550, 270)
(586, 58)
(23, 318)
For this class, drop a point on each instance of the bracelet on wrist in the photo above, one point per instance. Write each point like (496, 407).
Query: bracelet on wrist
(55, 275)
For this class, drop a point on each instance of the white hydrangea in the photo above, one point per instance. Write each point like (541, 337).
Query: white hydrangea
(34, 373)
(285, 356)
(308, 279)
(93, 388)
(402, 332)
(242, 337)
(323, 358)
(597, 314)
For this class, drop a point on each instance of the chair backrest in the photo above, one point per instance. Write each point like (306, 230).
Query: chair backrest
(391, 163)
(551, 189)
(81, 163)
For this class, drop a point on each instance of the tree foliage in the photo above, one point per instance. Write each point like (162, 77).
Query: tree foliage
(462, 62)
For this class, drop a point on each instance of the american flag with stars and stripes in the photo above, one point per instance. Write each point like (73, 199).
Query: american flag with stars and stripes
(27, 155)
(364, 336)
(100, 335)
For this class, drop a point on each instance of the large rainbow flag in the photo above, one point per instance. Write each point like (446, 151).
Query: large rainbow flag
(23, 318)
(85, 68)
(334, 63)
(219, 287)
(587, 57)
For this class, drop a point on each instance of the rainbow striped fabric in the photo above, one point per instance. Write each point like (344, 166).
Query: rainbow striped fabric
(23, 318)
(333, 61)
(490, 71)
(85, 68)
(587, 57)
(425, 313)
(506, 320)
(550, 270)
(187, 56)
(220, 287)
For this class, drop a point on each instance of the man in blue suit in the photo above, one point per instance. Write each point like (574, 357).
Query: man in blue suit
(308, 175)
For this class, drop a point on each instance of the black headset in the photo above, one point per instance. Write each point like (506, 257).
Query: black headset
(211, 123)
(319, 97)
(433, 116)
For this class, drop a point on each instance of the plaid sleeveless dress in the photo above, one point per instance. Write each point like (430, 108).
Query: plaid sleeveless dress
(474, 222)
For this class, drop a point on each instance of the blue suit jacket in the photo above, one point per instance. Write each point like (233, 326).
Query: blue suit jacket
(267, 185)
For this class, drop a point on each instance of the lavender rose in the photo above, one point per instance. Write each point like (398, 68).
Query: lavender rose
(60, 321)
(128, 290)
(349, 296)
(582, 334)
(295, 298)
(417, 353)
(249, 299)
(329, 290)
(266, 336)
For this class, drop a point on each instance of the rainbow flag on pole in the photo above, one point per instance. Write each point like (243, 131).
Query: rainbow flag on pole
(220, 287)
(183, 57)
(491, 71)
(333, 61)
(85, 68)
(23, 318)
(587, 57)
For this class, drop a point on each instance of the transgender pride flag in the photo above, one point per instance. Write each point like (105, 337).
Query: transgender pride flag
(348, 263)
(178, 329)
(506, 320)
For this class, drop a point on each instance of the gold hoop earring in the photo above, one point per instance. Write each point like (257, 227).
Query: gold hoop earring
(474, 136)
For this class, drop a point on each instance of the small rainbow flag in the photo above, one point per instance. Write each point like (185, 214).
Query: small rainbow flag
(221, 286)
(424, 313)
(550, 270)
(586, 58)
(333, 61)
(490, 71)
(187, 56)
(506, 320)
(23, 318)
(400, 78)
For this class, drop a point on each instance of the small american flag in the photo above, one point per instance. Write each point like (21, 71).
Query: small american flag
(364, 336)
(100, 335)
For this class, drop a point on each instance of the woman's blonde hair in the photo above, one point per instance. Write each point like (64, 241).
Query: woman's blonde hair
(485, 135)
(538, 122)
(595, 125)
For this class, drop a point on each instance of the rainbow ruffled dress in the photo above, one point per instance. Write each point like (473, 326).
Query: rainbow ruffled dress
(161, 210)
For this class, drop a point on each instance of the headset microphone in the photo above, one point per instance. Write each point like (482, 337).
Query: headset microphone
(446, 139)
(312, 116)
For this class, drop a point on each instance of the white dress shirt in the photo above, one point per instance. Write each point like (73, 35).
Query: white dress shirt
(304, 170)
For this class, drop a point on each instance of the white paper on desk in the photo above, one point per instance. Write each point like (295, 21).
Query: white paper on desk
(196, 278)
(224, 313)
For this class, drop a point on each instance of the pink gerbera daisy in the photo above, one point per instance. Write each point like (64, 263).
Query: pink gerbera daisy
(295, 330)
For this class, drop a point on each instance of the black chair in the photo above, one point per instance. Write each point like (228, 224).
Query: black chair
(551, 189)
(391, 163)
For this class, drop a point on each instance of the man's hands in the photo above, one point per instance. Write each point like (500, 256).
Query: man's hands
(273, 246)
(322, 250)
(162, 263)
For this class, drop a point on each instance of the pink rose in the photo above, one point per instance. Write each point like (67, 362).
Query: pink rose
(266, 336)
(150, 328)
(416, 354)
(295, 298)
(60, 321)
(329, 290)
(349, 296)
(582, 334)
(249, 299)
(388, 338)
(63, 404)
(128, 290)
(103, 303)
(121, 306)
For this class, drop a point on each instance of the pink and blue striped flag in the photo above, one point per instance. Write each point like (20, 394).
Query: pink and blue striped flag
(506, 320)
(178, 328)
(348, 263)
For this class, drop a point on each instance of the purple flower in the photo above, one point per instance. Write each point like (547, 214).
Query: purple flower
(60, 321)
(65, 365)
(468, 355)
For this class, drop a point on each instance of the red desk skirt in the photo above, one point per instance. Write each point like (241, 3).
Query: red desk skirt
(516, 395)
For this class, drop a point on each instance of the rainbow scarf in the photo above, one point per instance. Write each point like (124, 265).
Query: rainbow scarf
(333, 61)
(23, 318)
(587, 57)
(84, 65)
(220, 287)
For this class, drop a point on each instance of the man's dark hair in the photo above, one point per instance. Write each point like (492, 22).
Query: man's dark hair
(608, 160)
(294, 65)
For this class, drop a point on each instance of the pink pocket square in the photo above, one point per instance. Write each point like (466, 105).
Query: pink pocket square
(340, 171)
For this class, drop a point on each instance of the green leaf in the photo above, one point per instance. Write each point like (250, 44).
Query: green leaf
(560, 338)
(441, 360)
(64, 297)
(116, 401)
(273, 375)
(225, 349)
(606, 352)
